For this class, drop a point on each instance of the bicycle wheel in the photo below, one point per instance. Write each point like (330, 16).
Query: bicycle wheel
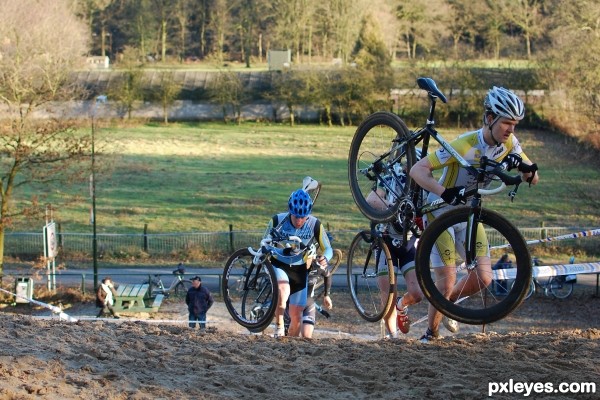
(254, 307)
(372, 291)
(181, 289)
(248, 291)
(530, 290)
(477, 304)
(559, 288)
(334, 264)
(377, 161)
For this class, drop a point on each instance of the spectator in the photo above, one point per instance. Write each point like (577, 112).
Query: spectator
(199, 300)
(105, 298)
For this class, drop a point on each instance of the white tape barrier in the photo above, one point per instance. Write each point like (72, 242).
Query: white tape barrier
(541, 271)
(52, 308)
(551, 270)
(591, 232)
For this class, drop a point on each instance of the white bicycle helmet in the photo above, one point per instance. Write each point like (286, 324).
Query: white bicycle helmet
(504, 103)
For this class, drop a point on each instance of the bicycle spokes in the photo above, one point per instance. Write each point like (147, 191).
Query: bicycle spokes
(378, 163)
(371, 283)
(468, 291)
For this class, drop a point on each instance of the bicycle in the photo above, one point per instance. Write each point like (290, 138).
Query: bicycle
(178, 287)
(382, 152)
(560, 286)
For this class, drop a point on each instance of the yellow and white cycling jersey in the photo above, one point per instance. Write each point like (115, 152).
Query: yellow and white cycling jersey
(471, 147)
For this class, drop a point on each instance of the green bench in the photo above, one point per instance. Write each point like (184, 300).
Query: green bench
(134, 298)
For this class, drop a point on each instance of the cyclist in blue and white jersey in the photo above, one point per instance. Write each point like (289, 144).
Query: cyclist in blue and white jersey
(292, 278)
(496, 140)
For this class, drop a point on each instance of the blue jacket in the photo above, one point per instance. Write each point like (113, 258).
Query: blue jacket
(198, 300)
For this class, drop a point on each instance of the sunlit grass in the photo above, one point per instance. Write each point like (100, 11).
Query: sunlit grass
(206, 177)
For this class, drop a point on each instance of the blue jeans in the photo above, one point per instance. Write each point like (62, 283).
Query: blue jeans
(200, 317)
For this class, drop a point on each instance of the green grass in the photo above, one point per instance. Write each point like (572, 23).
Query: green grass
(206, 176)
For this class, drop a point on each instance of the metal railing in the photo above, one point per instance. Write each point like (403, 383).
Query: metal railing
(219, 243)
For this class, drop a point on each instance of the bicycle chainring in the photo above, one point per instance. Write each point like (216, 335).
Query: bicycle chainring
(406, 212)
(407, 216)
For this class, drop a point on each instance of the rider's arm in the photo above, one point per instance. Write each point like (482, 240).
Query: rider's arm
(515, 148)
(323, 240)
(421, 172)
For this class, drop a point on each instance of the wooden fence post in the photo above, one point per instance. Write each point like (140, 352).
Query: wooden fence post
(543, 233)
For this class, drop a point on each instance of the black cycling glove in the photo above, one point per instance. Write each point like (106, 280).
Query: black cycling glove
(512, 161)
(454, 196)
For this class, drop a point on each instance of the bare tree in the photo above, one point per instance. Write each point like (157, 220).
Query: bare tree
(163, 9)
(460, 20)
(39, 47)
(182, 14)
(573, 70)
(167, 92)
(127, 89)
(339, 24)
(526, 14)
(227, 89)
(219, 24)
(291, 88)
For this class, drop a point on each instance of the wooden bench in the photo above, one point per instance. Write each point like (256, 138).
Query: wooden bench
(157, 301)
(130, 298)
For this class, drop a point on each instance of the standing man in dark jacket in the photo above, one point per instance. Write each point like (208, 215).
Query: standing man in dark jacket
(199, 301)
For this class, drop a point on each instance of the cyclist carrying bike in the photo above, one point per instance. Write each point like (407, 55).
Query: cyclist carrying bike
(496, 140)
(292, 279)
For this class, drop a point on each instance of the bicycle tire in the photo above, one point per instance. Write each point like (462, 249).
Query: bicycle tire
(484, 306)
(364, 279)
(560, 289)
(181, 288)
(530, 290)
(334, 264)
(373, 139)
(249, 298)
(257, 310)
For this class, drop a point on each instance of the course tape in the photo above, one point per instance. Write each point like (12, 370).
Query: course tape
(591, 232)
(551, 270)
(52, 308)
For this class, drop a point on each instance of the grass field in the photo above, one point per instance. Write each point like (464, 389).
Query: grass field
(204, 177)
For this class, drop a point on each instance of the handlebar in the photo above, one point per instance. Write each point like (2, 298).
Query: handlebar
(266, 247)
(499, 170)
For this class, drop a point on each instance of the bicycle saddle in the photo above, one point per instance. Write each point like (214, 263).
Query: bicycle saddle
(429, 85)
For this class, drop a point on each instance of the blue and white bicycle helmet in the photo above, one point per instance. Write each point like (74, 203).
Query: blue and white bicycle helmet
(504, 103)
(300, 204)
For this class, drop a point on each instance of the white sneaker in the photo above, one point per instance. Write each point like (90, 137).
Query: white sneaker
(279, 332)
(450, 324)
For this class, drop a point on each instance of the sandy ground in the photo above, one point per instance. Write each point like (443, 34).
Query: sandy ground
(145, 356)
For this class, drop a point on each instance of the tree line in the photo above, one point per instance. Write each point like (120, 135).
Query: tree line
(244, 30)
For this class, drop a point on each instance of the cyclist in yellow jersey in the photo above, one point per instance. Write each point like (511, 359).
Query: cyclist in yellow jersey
(496, 140)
